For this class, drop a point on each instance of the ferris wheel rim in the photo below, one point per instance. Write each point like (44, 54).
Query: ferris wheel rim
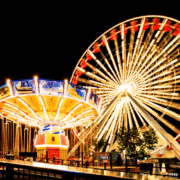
(118, 24)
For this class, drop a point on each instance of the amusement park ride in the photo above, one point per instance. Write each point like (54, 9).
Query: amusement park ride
(129, 76)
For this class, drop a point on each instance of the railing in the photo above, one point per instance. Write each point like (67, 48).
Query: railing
(146, 168)
(16, 169)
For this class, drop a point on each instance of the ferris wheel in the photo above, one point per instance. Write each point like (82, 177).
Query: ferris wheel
(134, 67)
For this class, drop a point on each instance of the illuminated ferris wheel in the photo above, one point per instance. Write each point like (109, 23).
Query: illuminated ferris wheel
(134, 67)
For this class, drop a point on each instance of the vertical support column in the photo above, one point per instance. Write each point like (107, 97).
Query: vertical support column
(24, 142)
(13, 137)
(17, 141)
(30, 139)
(7, 135)
(10, 137)
(21, 141)
(4, 142)
(34, 137)
(27, 140)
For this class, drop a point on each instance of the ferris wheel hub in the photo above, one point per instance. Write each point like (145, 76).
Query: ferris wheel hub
(127, 87)
(124, 87)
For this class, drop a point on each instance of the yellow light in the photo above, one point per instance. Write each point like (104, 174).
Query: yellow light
(44, 108)
(57, 113)
(10, 87)
(30, 108)
(123, 87)
(36, 84)
(65, 87)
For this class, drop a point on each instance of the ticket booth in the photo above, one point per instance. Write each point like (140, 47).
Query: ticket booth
(51, 143)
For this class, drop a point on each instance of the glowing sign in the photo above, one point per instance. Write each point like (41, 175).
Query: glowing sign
(23, 87)
(51, 87)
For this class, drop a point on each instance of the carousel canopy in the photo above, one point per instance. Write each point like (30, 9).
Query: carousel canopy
(39, 102)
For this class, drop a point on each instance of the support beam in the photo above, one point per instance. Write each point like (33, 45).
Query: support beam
(152, 122)
(91, 128)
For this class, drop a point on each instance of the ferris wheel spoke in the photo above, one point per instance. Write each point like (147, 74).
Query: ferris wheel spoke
(120, 121)
(165, 102)
(162, 109)
(166, 82)
(111, 139)
(117, 74)
(156, 97)
(168, 70)
(164, 51)
(93, 76)
(107, 100)
(100, 73)
(158, 35)
(161, 60)
(118, 57)
(130, 51)
(101, 65)
(110, 125)
(172, 86)
(105, 125)
(112, 59)
(134, 117)
(137, 48)
(129, 116)
(163, 120)
(103, 91)
(123, 42)
(165, 41)
(143, 51)
(125, 118)
(112, 132)
(159, 93)
(107, 112)
(107, 96)
(93, 83)
(139, 116)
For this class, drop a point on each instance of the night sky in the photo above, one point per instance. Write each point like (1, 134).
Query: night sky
(48, 41)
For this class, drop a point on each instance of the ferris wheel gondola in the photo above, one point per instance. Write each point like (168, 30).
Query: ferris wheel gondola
(134, 67)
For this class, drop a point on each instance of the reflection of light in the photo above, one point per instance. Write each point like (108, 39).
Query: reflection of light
(52, 166)
(48, 145)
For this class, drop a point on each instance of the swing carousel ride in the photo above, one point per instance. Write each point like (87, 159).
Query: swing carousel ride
(134, 67)
(39, 102)
(52, 106)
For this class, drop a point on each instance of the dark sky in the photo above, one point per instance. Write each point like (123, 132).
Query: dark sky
(48, 41)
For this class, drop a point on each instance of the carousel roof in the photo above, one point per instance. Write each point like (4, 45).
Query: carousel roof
(40, 102)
